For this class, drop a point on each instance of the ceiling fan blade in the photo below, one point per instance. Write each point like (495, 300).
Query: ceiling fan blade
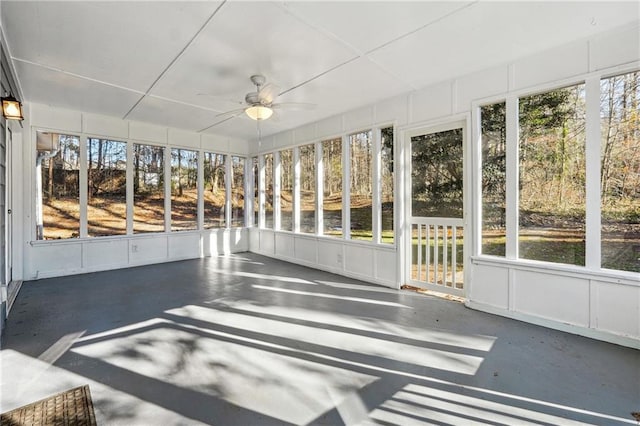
(294, 106)
(268, 93)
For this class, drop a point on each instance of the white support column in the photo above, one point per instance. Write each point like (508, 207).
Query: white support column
(319, 189)
(593, 236)
(277, 174)
(512, 167)
(130, 188)
(200, 189)
(346, 188)
(261, 191)
(475, 194)
(228, 177)
(296, 190)
(167, 189)
(83, 196)
(376, 179)
(248, 192)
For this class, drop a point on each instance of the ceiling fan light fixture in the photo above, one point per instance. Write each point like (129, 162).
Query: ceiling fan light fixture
(259, 112)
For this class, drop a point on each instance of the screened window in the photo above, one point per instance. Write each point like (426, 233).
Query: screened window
(58, 186)
(493, 123)
(215, 192)
(268, 191)
(107, 187)
(237, 191)
(184, 190)
(148, 188)
(286, 190)
(360, 182)
(332, 196)
(552, 176)
(436, 174)
(386, 184)
(620, 172)
(307, 189)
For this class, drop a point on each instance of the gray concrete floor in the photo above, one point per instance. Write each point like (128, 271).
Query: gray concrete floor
(247, 340)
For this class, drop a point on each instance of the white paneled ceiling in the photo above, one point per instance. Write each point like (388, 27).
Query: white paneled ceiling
(182, 63)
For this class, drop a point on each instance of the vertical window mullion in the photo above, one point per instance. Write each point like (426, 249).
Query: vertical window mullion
(376, 186)
(512, 166)
(200, 191)
(129, 191)
(296, 190)
(261, 191)
(319, 188)
(167, 189)
(277, 181)
(592, 154)
(228, 177)
(84, 187)
(346, 188)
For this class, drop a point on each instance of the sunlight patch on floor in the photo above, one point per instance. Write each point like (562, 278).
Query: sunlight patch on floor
(354, 343)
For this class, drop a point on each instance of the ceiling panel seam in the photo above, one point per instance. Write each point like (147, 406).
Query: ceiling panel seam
(69, 73)
(175, 59)
(319, 75)
(428, 24)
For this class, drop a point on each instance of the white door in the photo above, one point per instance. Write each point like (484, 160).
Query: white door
(435, 235)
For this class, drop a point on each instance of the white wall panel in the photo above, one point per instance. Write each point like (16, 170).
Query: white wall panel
(101, 125)
(480, 85)
(147, 132)
(102, 254)
(556, 297)
(284, 139)
(184, 245)
(214, 143)
(358, 260)
(184, 138)
(285, 245)
(330, 254)
(431, 102)
(392, 110)
(306, 249)
(151, 249)
(267, 242)
(241, 147)
(359, 119)
(615, 48)
(328, 127)
(55, 118)
(238, 239)
(386, 265)
(490, 285)
(254, 239)
(51, 258)
(305, 133)
(617, 308)
(557, 64)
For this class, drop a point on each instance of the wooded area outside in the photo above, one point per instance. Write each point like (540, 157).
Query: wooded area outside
(184, 190)
(60, 189)
(307, 154)
(148, 188)
(215, 190)
(286, 190)
(268, 193)
(107, 187)
(332, 191)
(361, 185)
(386, 184)
(552, 175)
(237, 191)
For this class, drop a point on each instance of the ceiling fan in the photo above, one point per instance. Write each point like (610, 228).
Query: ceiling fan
(259, 104)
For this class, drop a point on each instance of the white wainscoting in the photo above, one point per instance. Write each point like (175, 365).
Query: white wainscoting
(68, 257)
(593, 304)
(373, 263)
